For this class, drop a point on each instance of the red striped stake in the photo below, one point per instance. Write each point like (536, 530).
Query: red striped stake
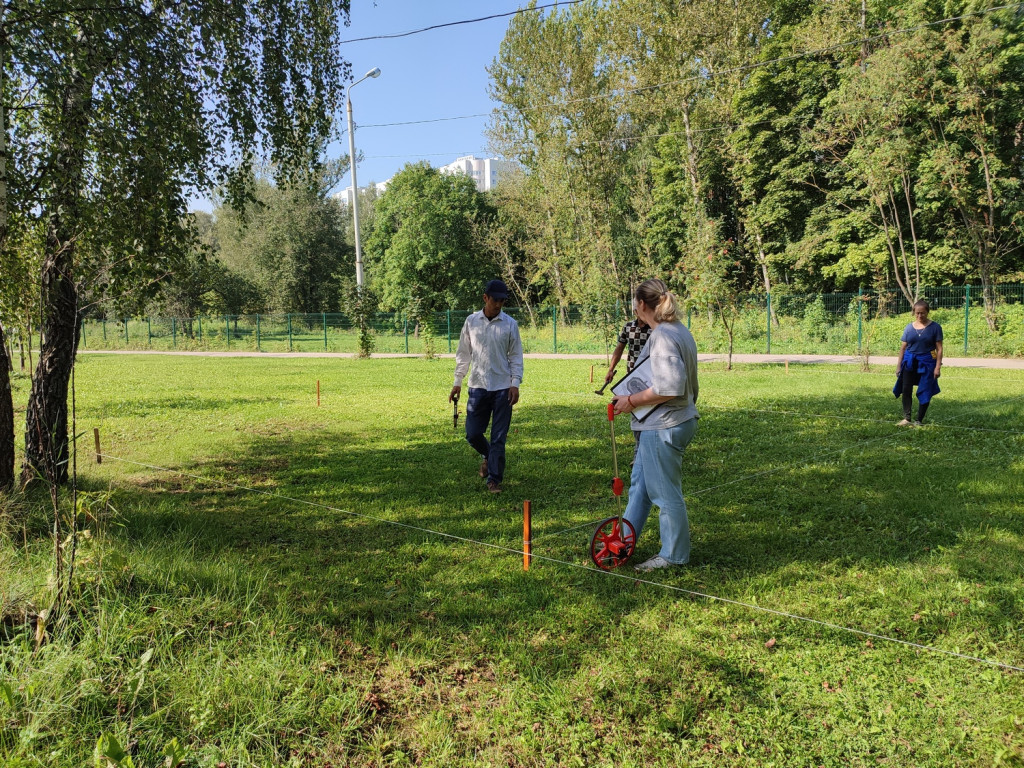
(527, 536)
(96, 434)
(318, 393)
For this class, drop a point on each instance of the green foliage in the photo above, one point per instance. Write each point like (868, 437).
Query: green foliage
(426, 252)
(361, 306)
(289, 244)
(815, 321)
(887, 159)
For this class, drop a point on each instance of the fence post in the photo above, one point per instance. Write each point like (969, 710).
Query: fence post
(860, 316)
(967, 315)
(104, 328)
(325, 331)
(407, 333)
(149, 331)
(200, 319)
(174, 332)
(768, 313)
(689, 311)
(227, 330)
(554, 327)
(83, 334)
(258, 332)
(449, 330)
(289, 331)
(126, 332)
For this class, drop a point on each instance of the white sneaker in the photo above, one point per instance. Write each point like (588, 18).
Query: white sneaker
(905, 423)
(653, 564)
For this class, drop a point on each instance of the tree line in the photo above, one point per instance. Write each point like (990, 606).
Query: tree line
(771, 145)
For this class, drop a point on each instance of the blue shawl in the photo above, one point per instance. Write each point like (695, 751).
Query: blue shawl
(924, 366)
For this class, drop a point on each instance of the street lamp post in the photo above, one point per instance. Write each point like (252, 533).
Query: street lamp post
(375, 72)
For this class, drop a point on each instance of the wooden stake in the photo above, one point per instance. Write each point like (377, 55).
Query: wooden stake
(96, 435)
(527, 536)
(787, 366)
(591, 374)
(318, 393)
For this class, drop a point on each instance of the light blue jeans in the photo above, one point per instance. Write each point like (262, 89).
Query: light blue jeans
(657, 480)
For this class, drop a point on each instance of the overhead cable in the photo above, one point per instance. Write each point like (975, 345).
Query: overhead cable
(718, 73)
(463, 21)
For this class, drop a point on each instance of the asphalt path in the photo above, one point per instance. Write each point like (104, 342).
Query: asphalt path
(1016, 364)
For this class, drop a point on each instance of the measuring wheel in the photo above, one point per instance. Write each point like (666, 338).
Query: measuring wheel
(613, 543)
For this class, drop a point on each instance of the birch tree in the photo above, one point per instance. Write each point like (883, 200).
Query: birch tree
(123, 109)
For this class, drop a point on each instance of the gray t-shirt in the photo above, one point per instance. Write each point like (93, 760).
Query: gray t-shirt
(673, 354)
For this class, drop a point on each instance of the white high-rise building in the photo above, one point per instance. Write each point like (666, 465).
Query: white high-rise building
(486, 172)
(345, 196)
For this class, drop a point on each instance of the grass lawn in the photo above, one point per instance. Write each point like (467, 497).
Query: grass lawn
(301, 626)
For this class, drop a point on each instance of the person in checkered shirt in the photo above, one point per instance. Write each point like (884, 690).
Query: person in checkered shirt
(633, 338)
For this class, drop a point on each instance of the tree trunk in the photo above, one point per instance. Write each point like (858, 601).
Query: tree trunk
(766, 277)
(728, 330)
(6, 418)
(6, 397)
(28, 337)
(691, 155)
(988, 294)
(46, 422)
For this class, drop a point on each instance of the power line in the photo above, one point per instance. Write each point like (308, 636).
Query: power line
(458, 23)
(711, 75)
(421, 122)
(424, 154)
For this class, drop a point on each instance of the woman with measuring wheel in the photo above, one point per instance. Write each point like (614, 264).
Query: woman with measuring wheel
(919, 363)
(665, 415)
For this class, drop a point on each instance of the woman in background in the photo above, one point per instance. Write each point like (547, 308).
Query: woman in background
(919, 364)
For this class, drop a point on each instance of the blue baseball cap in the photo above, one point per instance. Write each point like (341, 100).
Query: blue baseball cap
(496, 289)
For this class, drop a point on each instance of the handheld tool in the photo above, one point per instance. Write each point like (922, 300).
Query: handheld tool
(615, 538)
(606, 383)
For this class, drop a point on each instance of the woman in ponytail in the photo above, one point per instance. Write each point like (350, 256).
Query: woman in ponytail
(665, 415)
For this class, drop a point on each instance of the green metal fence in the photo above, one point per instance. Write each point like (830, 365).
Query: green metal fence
(836, 323)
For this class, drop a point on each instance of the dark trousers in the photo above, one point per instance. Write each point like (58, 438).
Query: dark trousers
(910, 379)
(493, 407)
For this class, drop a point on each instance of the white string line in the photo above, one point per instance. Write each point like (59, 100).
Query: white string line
(934, 424)
(857, 444)
(589, 524)
(798, 364)
(931, 424)
(637, 580)
(790, 464)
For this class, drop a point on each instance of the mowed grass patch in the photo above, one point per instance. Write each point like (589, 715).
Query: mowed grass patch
(348, 611)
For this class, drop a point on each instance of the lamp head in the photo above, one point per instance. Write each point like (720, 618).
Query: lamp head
(375, 72)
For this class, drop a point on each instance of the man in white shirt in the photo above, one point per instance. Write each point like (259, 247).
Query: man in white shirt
(490, 343)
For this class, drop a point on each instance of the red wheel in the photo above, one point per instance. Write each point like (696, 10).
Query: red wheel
(612, 545)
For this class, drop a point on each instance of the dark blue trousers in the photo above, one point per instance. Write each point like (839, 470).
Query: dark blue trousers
(493, 407)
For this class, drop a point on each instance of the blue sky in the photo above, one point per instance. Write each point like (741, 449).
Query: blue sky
(435, 74)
